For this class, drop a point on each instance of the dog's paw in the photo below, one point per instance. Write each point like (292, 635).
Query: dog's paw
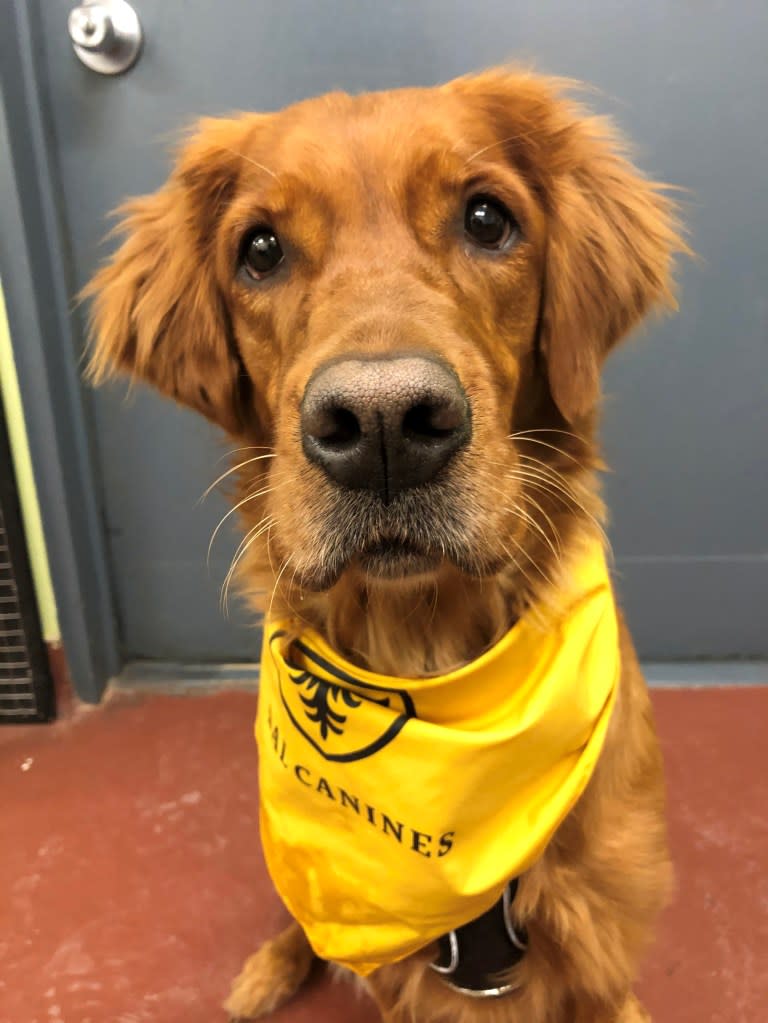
(633, 1012)
(270, 977)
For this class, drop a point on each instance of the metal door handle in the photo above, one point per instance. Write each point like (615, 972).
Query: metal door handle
(106, 35)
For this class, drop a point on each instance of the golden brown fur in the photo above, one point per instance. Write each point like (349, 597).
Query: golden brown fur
(367, 194)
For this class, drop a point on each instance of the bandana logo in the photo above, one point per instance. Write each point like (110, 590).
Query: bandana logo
(342, 717)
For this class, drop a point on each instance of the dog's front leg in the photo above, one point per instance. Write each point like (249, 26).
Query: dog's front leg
(271, 976)
(633, 1012)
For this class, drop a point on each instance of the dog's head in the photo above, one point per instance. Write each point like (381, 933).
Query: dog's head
(405, 297)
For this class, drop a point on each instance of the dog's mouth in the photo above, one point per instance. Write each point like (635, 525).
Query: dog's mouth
(417, 535)
(396, 559)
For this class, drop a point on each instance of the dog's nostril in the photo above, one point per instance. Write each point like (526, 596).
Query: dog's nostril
(338, 428)
(384, 425)
(432, 421)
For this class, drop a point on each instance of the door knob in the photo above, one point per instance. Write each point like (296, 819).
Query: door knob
(106, 35)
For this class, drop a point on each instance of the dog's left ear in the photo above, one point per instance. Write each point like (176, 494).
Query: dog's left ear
(612, 234)
(610, 248)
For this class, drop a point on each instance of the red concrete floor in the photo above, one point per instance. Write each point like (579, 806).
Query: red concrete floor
(133, 886)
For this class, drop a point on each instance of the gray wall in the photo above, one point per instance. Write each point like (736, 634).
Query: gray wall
(686, 420)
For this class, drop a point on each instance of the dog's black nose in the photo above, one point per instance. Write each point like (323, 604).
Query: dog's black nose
(384, 424)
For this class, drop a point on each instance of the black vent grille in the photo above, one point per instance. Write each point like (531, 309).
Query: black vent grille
(26, 687)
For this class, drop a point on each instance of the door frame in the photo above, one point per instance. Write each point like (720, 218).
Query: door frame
(46, 339)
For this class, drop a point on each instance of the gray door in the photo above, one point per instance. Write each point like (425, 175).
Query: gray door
(686, 411)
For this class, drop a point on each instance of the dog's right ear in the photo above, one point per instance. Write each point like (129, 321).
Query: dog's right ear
(157, 313)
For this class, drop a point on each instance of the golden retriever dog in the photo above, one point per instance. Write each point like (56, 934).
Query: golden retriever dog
(397, 306)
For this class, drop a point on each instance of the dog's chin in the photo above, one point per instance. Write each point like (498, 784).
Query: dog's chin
(380, 562)
(389, 561)
(397, 562)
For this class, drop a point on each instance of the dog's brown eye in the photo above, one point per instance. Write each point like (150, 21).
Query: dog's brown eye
(488, 223)
(261, 252)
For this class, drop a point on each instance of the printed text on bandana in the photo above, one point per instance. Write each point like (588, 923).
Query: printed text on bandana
(404, 833)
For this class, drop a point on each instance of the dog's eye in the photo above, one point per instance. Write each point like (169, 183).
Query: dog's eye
(489, 223)
(261, 252)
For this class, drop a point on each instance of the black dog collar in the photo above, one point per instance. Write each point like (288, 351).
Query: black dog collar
(474, 957)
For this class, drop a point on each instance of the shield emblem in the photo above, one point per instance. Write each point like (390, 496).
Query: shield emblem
(341, 716)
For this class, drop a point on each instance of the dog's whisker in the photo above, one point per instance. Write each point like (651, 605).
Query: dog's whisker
(534, 462)
(269, 549)
(552, 487)
(245, 447)
(545, 429)
(292, 583)
(433, 611)
(523, 516)
(255, 163)
(503, 142)
(546, 444)
(235, 468)
(530, 519)
(530, 499)
(276, 485)
(546, 576)
(516, 564)
(567, 498)
(280, 574)
(291, 586)
(251, 536)
(232, 510)
(541, 471)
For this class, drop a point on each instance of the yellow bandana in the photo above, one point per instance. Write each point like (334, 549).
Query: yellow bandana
(394, 810)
